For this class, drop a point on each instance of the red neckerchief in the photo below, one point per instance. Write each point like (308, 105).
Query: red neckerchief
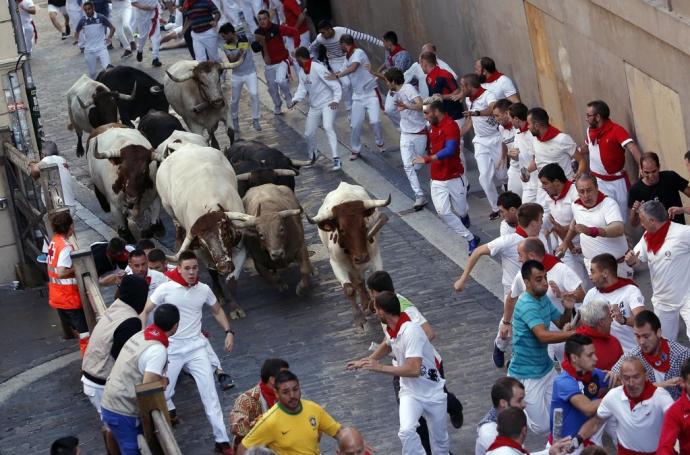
(348, 54)
(175, 276)
(477, 94)
(153, 332)
(397, 48)
(661, 362)
(600, 197)
(502, 441)
(524, 128)
(508, 127)
(120, 257)
(585, 378)
(591, 332)
(268, 393)
(306, 66)
(521, 232)
(550, 261)
(595, 133)
(656, 239)
(622, 282)
(401, 320)
(549, 134)
(493, 77)
(564, 191)
(148, 279)
(646, 394)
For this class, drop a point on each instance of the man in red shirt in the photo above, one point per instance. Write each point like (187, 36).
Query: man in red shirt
(607, 142)
(596, 322)
(448, 185)
(676, 424)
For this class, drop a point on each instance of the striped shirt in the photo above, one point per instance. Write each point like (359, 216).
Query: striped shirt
(93, 29)
(334, 53)
(200, 15)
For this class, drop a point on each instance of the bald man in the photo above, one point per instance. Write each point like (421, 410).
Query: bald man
(351, 442)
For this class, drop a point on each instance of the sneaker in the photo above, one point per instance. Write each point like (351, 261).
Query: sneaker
(157, 63)
(42, 258)
(499, 357)
(382, 148)
(224, 380)
(277, 111)
(236, 123)
(493, 216)
(133, 46)
(126, 54)
(472, 245)
(68, 30)
(419, 203)
(354, 155)
(64, 36)
(336, 164)
(110, 47)
(255, 124)
(140, 56)
(466, 220)
(224, 448)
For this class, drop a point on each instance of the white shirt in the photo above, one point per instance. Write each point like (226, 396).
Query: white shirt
(156, 278)
(508, 138)
(321, 91)
(485, 126)
(559, 150)
(626, 299)
(511, 451)
(335, 54)
(410, 121)
(638, 429)
(190, 301)
(562, 210)
(503, 87)
(418, 318)
(411, 342)
(66, 180)
(363, 82)
(505, 228)
(669, 267)
(506, 246)
(416, 72)
(65, 258)
(154, 359)
(94, 29)
(600, 216)
(561, 274)
(26, 17)
(524, 142)
(486, 435)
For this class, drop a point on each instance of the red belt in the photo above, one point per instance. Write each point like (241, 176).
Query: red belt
(623, 451)
(613, 178)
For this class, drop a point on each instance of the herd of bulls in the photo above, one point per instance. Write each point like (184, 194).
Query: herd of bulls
(224, 204)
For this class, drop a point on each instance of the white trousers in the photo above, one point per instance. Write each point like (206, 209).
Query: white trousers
(542, 198)
(28, 38)
(121, 17)
(144, 25)
(251, 81)
(278, 84)
(669, 318)
(391, 110)
(577, 265)
(339, 65)
(514, 180)
(192, 355)
(206, 45)
(95, 395)
(412, 146)
(450, 196)
(486, 157)
(538, 394)
(92, 59)
(365, 104)
(435, 413)
(618, 191)
(321, 116)
(529, 193)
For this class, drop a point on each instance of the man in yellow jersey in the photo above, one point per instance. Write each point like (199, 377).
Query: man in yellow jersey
(292, 426)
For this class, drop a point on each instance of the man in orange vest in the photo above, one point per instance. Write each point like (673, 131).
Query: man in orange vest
(63, 292)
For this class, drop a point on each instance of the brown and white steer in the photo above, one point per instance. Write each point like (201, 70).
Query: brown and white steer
(348, 226)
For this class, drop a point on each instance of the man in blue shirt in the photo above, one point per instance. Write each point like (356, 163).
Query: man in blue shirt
(530, 362)
(577, 391)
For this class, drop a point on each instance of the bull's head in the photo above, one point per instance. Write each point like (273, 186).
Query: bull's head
(207, 76)
(269, 227)
(102, 107)
(348, 224)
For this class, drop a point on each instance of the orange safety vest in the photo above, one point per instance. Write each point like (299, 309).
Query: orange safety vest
(63, 293)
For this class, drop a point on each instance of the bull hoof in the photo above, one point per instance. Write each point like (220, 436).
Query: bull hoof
(237, 314)
(348, 289)
(302, 289)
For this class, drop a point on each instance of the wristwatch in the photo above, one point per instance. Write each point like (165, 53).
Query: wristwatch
(230, 331)
(476, 113)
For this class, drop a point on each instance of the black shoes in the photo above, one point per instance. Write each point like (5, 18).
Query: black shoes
(140, 56)
(157, 63)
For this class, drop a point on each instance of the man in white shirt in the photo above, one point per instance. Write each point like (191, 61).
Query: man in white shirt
(665, 247)
(622, 295)
(92, 28)
(638, 407)
(26, 10)
(365, 95)
(51, 156)
(421, 384)
(121, 17)
(146, 14)
(523, 147)
(506, 393)
(188, 346)
(416, 76)
(598, 220)
(487, 140)
(413, 131)
(324, 97)
(552, 146)
(509, 154)
(512, 432)
(495, 81)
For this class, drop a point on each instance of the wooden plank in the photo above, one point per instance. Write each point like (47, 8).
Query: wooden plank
(16, 157)
(164, 433)
(150, 397)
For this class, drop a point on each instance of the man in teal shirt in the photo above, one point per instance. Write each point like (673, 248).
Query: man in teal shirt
(530, 362)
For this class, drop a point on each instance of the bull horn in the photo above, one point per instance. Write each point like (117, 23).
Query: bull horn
(284, 172)
(229, 66)
(104, 156)
(289, 212)
(244, 177)
(373, 203)
(247, 220)
(155, 155)
(81, 103)
(316, 220)
(129, 97)
(155, 89)
(300, 163)
(178, 79)
(185, 244)
(383, 219)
